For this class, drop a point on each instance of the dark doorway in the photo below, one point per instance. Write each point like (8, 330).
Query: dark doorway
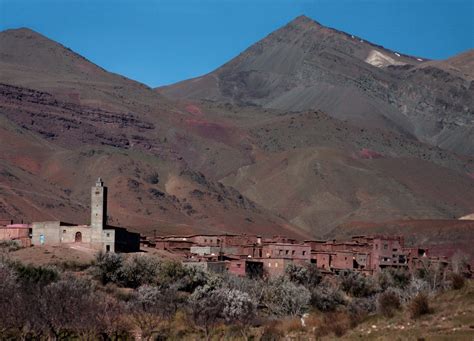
(78, 237)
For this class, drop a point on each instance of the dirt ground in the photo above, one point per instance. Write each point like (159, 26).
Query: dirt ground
(53, 254)
(79, 254)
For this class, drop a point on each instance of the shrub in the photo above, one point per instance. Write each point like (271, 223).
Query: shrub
(174, 274)
(359, 308)
(271, 332)
(387, 303)
(108, 267)
(398, 278)
(253, 287)
(326, 298)
(334, 322)
(10, 245)
(152, 299)
(284, 298)
(435, 276)
(150, 306)
(153, 178)
(138, 270)
(457, 281)
(70, 305)
(416, 286)
(357, 284)
(238, 306)
(307, 275)
(206, 306)
(35, 275)
(9, 290)
(419, 306)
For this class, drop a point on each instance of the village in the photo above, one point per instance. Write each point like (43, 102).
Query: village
(238, 254)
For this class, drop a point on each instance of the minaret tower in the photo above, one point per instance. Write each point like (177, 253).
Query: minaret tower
(98, 209)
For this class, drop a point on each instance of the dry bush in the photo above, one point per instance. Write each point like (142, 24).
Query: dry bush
(360, 308)
(457, 281)
(291, 325)
(338, 323)
(180, 325)
(271, 332)
(357, 284)
(387, 303)
(419, 306)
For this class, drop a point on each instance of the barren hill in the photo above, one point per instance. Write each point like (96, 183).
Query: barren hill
(229, 159)
(306, 66)
(65, 121)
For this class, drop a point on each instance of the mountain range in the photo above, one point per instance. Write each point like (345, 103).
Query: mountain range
(308, 133)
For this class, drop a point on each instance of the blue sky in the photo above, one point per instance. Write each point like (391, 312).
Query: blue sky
(162, 42)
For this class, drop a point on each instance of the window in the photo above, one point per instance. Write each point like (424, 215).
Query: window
(108, 234)
(107, 248)
(64, 231)
(238, 265)
(269, 265)
(276, 265)
(287, 251)
(293, 252)
(304, 253)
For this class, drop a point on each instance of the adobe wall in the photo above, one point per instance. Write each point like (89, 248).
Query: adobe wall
(205, 250)
(46, 233)
(274, 267)
(237, 267)
(323, 260)
(294, 251)
(20, 234)
(342, 260)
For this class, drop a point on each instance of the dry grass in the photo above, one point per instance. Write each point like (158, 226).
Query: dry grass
(452, 318)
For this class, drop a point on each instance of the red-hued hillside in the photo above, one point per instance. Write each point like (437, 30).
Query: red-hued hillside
(241, 157)
(306, 66)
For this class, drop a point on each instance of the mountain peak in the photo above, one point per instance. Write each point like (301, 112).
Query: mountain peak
(21, 32)
(304, 21)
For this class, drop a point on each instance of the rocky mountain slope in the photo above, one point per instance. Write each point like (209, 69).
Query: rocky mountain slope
(65, 121)
(306, 66)
(226, 158)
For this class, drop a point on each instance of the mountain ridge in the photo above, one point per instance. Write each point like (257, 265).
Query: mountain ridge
(305, 66)
(182, 165)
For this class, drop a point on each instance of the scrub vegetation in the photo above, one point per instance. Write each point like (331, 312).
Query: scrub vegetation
(126, 297)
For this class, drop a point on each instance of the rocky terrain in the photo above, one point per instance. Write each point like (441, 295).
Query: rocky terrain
(306, 66)
(305, 132)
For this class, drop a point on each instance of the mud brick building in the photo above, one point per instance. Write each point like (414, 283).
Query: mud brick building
(19, 233)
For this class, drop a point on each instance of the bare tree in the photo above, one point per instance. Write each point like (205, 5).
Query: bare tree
(150, 307)
(69, 307)
(206, 305)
